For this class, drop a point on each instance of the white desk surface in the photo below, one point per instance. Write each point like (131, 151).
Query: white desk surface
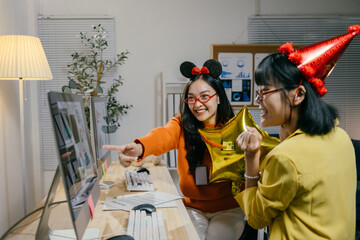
(177, 222)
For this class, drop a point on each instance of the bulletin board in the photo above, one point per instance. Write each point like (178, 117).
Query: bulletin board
(239, 62)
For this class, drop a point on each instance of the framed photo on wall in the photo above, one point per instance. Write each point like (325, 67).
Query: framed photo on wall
(237, 71)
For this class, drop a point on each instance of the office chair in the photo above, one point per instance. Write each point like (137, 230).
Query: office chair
(250, 233)
(356, 144)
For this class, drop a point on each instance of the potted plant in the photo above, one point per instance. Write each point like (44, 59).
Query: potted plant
(86, 75)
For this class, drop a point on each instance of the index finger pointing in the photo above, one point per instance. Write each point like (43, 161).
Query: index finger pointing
(114, 147)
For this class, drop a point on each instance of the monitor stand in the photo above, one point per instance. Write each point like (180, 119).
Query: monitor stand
(90, 233)
(45, 233)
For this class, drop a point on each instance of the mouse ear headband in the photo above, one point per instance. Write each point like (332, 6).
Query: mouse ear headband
(211, 67)
(316, 61)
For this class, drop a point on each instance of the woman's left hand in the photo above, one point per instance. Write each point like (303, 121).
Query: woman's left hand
(249, 141)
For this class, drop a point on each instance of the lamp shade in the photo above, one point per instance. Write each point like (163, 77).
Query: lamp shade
(23, 58)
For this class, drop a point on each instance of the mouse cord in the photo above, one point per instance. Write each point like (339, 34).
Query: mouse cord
(113, 233)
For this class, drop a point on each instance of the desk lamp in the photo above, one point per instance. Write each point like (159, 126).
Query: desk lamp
(23, 58)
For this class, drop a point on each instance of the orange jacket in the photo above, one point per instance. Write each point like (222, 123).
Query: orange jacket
(207, 198)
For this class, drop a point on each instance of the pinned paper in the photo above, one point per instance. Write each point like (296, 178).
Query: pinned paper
(104, 169)
(91, 206)
(106, 166)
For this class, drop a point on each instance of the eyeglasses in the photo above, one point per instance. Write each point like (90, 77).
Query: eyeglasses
(203, 99)
(260, 93)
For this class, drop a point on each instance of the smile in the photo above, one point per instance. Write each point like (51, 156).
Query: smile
(262, 111)
(200, 111)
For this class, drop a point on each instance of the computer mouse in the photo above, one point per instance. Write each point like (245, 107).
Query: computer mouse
(104, 185)
(142, 169)
(121, 237)
(149, 208)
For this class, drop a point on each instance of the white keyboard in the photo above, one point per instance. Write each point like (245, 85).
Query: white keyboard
(138, 181)
(146, 227)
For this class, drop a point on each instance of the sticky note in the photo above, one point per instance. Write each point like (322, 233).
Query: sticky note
(91, 206)
(103, 170)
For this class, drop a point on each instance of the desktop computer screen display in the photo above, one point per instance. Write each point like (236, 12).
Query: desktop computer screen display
(100, 134)
(76, 160)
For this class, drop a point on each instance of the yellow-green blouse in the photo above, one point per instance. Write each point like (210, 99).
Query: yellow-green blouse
(307, 189)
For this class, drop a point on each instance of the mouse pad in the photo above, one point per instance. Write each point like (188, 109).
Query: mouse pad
(227, 159)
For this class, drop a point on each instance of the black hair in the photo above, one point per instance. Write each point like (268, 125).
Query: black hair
(193, 142)
(316, 117)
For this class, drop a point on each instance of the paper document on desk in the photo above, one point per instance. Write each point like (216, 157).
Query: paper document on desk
(127, 202)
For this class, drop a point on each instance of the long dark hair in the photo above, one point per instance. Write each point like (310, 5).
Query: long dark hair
(315, 115)
(194, 144)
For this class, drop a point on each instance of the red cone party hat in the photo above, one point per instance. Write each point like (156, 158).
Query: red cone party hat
(318, 60)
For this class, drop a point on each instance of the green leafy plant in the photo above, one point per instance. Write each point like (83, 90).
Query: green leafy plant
(86, 75)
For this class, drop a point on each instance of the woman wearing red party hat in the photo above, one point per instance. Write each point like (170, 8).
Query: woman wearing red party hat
(305, 187)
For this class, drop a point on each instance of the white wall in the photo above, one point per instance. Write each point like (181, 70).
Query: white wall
(17, 17)
(312, 8)
(160, 34)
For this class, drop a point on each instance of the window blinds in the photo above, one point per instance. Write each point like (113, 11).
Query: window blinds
(343, 84)
(60, 38)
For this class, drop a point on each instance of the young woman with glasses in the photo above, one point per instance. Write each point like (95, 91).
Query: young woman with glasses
(305, 187)
(212, 207)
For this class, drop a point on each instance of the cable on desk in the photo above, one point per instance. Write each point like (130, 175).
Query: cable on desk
(12, 228)
(113, 233)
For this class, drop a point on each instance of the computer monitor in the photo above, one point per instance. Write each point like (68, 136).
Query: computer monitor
(99, 129)
(77, 164)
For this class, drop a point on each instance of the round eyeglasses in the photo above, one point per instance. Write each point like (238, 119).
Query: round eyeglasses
(260, 93)
(203, 99)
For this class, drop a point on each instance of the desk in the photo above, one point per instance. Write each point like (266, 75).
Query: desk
(177, 222)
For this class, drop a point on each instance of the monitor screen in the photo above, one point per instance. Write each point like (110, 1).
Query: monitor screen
(76, 159)
(100, 133)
